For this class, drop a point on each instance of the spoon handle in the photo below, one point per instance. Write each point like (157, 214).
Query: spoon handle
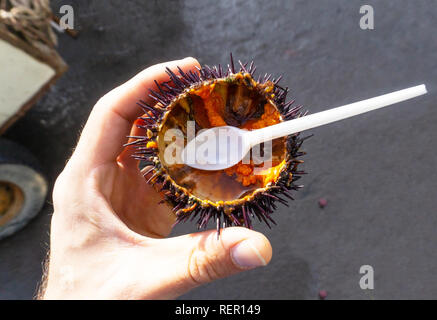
(321, 118)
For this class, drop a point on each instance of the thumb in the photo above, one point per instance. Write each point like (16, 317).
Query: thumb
(204, 258)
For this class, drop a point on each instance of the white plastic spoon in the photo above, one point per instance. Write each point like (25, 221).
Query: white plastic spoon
(228, 154)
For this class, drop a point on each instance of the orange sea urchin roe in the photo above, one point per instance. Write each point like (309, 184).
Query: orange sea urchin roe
(272, 174)
(245, 174)
(213, 104)
(269, 118)
(152, 144)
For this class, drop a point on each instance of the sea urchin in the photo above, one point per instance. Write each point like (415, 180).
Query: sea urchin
(208, 98)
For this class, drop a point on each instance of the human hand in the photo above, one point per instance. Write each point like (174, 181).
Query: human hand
(108, 233)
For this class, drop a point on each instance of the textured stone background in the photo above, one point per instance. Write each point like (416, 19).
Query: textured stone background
(378, 171)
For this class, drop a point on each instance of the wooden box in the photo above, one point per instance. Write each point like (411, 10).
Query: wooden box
(26, 73)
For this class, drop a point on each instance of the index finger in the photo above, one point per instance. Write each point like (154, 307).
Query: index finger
(112, 117)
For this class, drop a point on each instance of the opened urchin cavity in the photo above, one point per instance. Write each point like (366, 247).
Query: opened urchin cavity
(208, 98)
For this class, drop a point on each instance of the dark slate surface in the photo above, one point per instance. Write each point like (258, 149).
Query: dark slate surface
(378, 171)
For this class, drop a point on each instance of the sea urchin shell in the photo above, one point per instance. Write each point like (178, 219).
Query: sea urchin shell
(216, 97)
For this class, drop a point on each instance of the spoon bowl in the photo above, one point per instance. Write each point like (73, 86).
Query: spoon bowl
(217, 148)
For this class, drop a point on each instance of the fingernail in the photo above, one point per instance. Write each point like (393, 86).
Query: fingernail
(245, 255)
